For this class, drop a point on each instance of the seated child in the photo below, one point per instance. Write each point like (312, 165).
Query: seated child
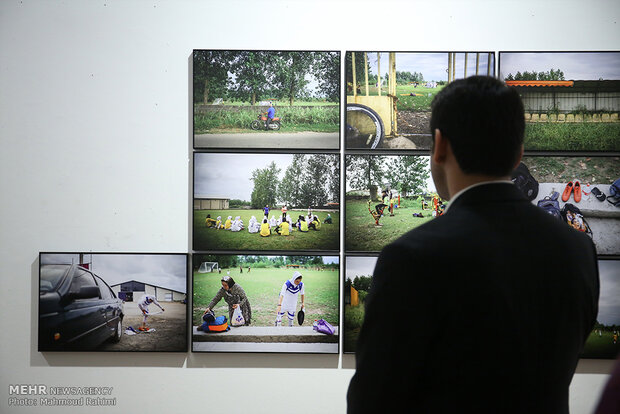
(264, 228)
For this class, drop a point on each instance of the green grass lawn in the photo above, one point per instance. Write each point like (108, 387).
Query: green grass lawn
(361, 233)
(263, 285)
(323, 118)
(601, 346)
(327, 238)
(595, 170)
(585, 136)
(353, 319)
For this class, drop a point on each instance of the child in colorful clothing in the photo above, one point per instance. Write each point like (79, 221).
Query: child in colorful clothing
(287, 303)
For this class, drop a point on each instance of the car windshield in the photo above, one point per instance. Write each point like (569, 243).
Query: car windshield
(51, 277)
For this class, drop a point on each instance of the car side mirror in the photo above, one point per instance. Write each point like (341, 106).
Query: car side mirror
(87, 292)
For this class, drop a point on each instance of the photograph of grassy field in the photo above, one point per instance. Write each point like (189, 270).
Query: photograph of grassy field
(571, 99)
(234, 90)
(247, 185)
(374, 182)
(604, 341)
(358, 277)
(262, 279)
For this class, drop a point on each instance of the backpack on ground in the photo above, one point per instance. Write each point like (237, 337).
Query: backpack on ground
(573, 217)
(551, 205)
(217, 324)
(525, 182)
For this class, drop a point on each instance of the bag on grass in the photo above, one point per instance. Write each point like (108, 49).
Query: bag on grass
(525, 182)
(551, 205)
(323, 327)
(237, 318)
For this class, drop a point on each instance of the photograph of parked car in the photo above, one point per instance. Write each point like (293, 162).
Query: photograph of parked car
(112, 302)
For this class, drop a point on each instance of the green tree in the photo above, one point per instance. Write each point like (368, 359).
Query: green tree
(210, 74)
(326, 70)
(365, 172)
(408, 173)
(290, 70)
(252, 72)
(265, 186)
(289, 189)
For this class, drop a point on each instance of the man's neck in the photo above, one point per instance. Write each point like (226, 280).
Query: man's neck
(460, 182)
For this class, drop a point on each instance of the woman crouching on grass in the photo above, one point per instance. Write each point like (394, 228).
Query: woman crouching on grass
(234, 295)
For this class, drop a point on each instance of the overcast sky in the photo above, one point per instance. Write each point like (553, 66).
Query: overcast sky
(433, 66)
(360, 266)
(609, 302)
(229, 175)
(163, 270)
(576, 66)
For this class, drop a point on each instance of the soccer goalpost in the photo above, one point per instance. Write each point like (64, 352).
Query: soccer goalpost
(208, 267)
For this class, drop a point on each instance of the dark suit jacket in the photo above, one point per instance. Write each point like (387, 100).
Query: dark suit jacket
(483, 310)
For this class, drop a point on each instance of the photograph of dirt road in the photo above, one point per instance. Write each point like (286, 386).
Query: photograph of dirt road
(113, 302)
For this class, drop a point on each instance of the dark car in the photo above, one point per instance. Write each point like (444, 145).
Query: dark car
(77, 309)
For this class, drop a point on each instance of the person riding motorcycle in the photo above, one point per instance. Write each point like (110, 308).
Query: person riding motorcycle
(271, 113)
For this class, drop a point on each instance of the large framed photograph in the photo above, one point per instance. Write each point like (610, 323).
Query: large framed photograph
(582, 184)
(113, 302)
(389, 94)
(386, 196)
(266, 99)
(358, 278)
(266, 202)
(604, 340)
(281, 304)
(571, 99)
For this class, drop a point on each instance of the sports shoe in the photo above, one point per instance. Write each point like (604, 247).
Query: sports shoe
(567, 191)
(577, 193)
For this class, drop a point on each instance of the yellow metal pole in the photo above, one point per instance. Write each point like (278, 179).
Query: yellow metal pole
(477, 63)
(449, 67)
(379, 72)
(453, 65)
(353, 68)
(465, 66)
(489, 66)
(366, 70)
(394, 119)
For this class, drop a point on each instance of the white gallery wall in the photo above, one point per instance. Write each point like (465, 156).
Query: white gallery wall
(95, 150)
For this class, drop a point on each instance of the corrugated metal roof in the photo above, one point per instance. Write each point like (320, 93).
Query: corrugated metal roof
(533, 83)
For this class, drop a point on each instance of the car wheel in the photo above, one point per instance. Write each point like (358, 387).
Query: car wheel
(118, 331)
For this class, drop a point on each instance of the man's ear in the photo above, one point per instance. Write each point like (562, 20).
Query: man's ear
(440, 147)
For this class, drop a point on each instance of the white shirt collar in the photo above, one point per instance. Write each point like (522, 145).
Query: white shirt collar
(457, 195)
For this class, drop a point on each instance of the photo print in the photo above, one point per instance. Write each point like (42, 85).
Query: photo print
(604, 340)
(571, 99)
(266, 202)
(358, 277)
(580, 191)
(266, 99)
(389, 94)
(281, 304)
(112, 302)
(385, 197)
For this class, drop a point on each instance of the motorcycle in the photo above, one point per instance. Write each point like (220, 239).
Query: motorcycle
(261, 123)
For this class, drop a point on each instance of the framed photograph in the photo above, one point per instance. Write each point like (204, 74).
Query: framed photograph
(266, 202)
(571, 99)
(358, 277)
(585, 183)
(385, 197)
(113, 302)
(266, 99)
(389, 94)
(604, 341)
(281, 304)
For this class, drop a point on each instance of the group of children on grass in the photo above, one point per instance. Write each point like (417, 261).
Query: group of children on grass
(282, 225)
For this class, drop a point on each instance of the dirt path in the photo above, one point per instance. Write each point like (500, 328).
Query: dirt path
(170, 329)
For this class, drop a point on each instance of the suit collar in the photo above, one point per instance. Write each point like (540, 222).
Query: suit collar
(486, 192)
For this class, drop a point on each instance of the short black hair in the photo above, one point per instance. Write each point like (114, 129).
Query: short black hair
(483, 120)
